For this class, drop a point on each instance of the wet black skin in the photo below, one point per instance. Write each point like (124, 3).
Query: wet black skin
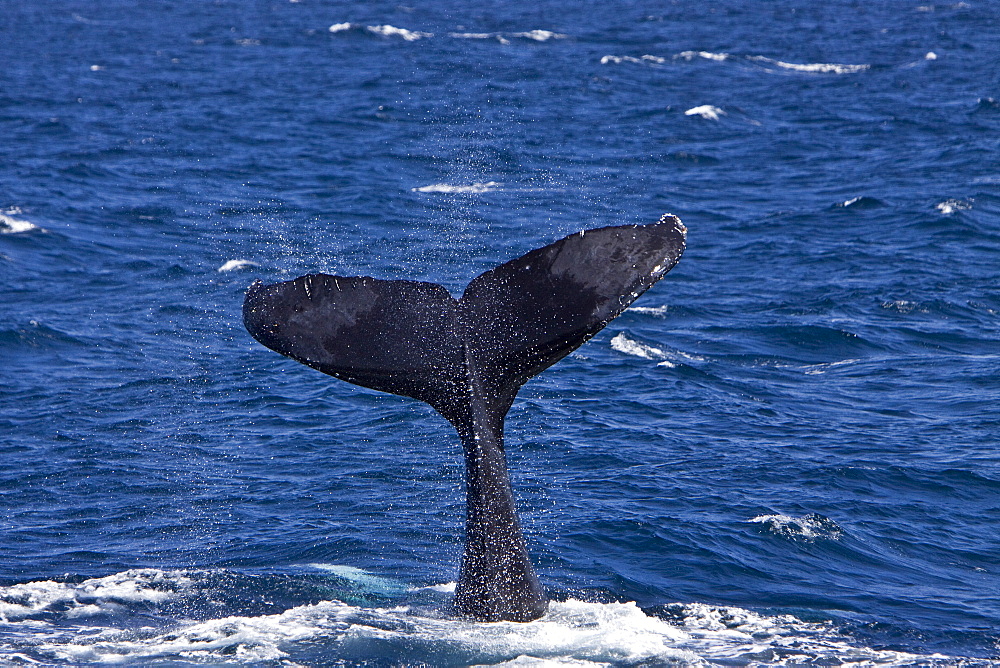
(468, 358)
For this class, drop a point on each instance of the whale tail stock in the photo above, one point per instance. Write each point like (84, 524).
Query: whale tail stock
(468, 358)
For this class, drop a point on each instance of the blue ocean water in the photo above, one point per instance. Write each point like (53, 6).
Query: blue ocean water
(786, 452)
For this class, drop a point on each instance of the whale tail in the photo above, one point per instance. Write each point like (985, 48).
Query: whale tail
(468, 358)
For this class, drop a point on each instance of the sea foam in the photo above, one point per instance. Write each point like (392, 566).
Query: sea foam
(236, 265)
(90, 597)
(815, 68)
(393, 31)
(573, 632)
(11, 225)
(458, 188)
(810, 527)
(706, 111)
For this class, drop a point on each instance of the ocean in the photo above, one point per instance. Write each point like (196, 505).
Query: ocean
(785, 453)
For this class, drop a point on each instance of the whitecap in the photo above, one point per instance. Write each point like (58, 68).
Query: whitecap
(441, 587)
(950, 206)
(628, 346)
(904, 306)
(11, 225)
(641, 60)
(340, 27)
(649, 310)
(623, 344)
(540, 35)
(393, 31)
(817, 68)
(537, 35)
(476, 188)
(817, 369)
(930, 56)
(92, 596)
(811, 526)
(706, 111)
(571, 633)
(234, 265)
(707, 55)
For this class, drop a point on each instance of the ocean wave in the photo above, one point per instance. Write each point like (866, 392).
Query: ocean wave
(393, 31)
(536, 35)
(236, 265)
(623, 344)
(90, 597)
(707, 55)
(646, 59)
(706, 111)
(950, 206)
(11, 225)
(36, 335)
(540, 35)
(669, 359)
(860, 202)
(373, 584)
(810, 527)
(573, 632)
(818, 369)
(814, 68)
(382, 30)
(649, 310)
(449, 188)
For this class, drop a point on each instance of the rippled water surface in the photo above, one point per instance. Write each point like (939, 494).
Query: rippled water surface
(785, 452)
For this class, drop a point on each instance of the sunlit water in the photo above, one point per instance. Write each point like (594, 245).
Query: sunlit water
(786, 452)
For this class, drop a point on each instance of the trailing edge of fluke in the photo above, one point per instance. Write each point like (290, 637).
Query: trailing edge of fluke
(468, 358)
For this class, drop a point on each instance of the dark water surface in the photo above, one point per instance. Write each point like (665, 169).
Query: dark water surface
(786, 452)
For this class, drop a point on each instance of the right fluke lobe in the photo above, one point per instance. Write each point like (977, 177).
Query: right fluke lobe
(467, 358)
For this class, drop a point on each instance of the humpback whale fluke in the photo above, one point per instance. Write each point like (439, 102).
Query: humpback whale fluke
(468, 358)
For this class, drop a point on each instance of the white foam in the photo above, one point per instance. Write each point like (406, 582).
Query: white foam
(393, 31)
(632, 59)
(706, 111)
(11, 225)
(242, 638)
(930, 56)
(480, 35)
(818, 68)
(444, 587)
(818, 369)
(573, 633)
(234, 265)
(707, 55)
(649, 310)
(950, 206)
(904, 306)
(340, 27)
(623, 344)
(450, 188)
(92, 596)
(810, 526)
(540, 35)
